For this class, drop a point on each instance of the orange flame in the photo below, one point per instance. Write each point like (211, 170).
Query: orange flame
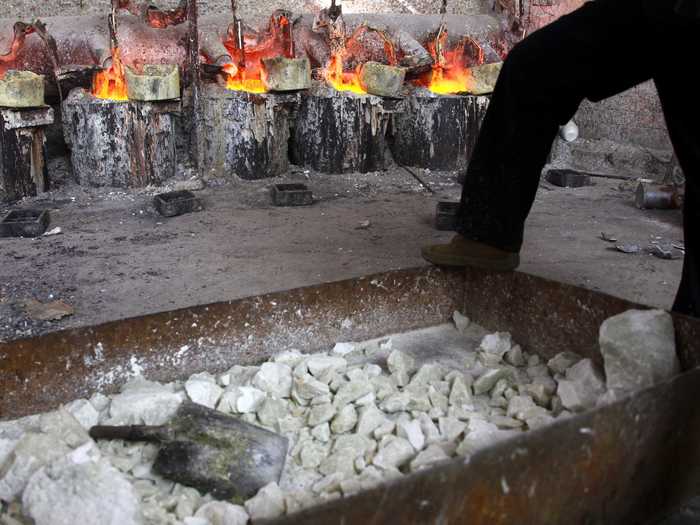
(251, 77)
(451, 71)
(110, 84)
(341, 80)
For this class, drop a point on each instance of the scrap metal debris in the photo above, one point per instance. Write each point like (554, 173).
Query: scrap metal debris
(628, 248)
(52, 311)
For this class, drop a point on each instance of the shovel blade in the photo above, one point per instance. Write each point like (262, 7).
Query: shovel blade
(220, 454)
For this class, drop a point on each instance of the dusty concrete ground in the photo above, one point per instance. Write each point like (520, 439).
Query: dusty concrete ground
(117, 258)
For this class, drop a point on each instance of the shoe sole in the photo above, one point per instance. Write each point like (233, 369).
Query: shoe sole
(506, 264)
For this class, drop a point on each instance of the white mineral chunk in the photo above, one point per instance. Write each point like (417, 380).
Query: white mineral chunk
(268, 503)
(83, 411)
(345, 420)
(365, 400)
(480, 434)
(429, 373)
(488, 380)
(329, 483)
(100, 401)
(62, 426)
(312, 454)
(430, 430)
(401, 366)
(322, 432)
(323, 364)
(80, 488)
(193, 520)
(372, 370)
(289, 424)
(411, 430)
(291, 358)
(352, 391)
(31, 452)
(562, 361)
(418, 397)
(370, 418)
(354, 445)
(272, 410)
(396, 453)
(519, 405)
(384, 429)
(144, 402)
(460, 394)
(437, 399)
(514, 356)
(249, 400)
(238, 376)
(308, 387)
(275, 379)
(397, 402)
(461, 322)
(540, 391)
(429, 456)
(451, 428)
(338, 463)
(203, 390)
(583, 386)
(323, 399)
(321, 414)
(357, 374)
(496, 344)
(639, 350)
(351, 352)
(384, 386)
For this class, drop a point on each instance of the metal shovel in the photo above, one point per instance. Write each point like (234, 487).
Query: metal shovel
(210, 451)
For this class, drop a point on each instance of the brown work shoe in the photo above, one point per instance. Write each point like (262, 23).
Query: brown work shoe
(462, 252)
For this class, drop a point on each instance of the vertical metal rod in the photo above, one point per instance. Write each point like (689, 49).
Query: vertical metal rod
(193, 70)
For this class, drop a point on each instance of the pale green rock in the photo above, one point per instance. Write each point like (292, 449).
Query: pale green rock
(384, 81)
(156, 82)
(21, 89)
(287, 74)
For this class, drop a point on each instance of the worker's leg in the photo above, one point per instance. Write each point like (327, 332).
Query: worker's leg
(682, 110)
(597, 51)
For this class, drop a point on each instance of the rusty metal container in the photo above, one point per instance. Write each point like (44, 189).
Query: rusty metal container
(622, 463)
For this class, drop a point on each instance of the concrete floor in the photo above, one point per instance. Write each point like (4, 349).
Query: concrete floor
(117, 258)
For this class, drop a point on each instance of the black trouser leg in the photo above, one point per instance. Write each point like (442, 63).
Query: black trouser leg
(599, 50)
(682, 111)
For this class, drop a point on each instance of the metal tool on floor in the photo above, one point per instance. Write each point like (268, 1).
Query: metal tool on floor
(210, 451)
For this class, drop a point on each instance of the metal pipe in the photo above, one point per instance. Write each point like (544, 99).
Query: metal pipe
(658, 197)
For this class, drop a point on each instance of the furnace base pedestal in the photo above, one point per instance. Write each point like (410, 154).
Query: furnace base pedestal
(339, 132)
(438, 132)
(23, 170)
(245, 134)
(120, 144)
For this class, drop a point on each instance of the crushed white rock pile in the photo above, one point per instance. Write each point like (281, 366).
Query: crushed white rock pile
(356, 416)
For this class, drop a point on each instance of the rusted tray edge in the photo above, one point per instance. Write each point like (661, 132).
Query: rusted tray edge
(548, 317)
(40, 373)
(623, 463)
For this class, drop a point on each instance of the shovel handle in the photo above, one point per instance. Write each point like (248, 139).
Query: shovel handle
(131, 433)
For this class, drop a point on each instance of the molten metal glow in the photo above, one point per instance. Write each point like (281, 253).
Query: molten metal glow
(110, 84)
(272, 43)
(341, 80)
(451, 71)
